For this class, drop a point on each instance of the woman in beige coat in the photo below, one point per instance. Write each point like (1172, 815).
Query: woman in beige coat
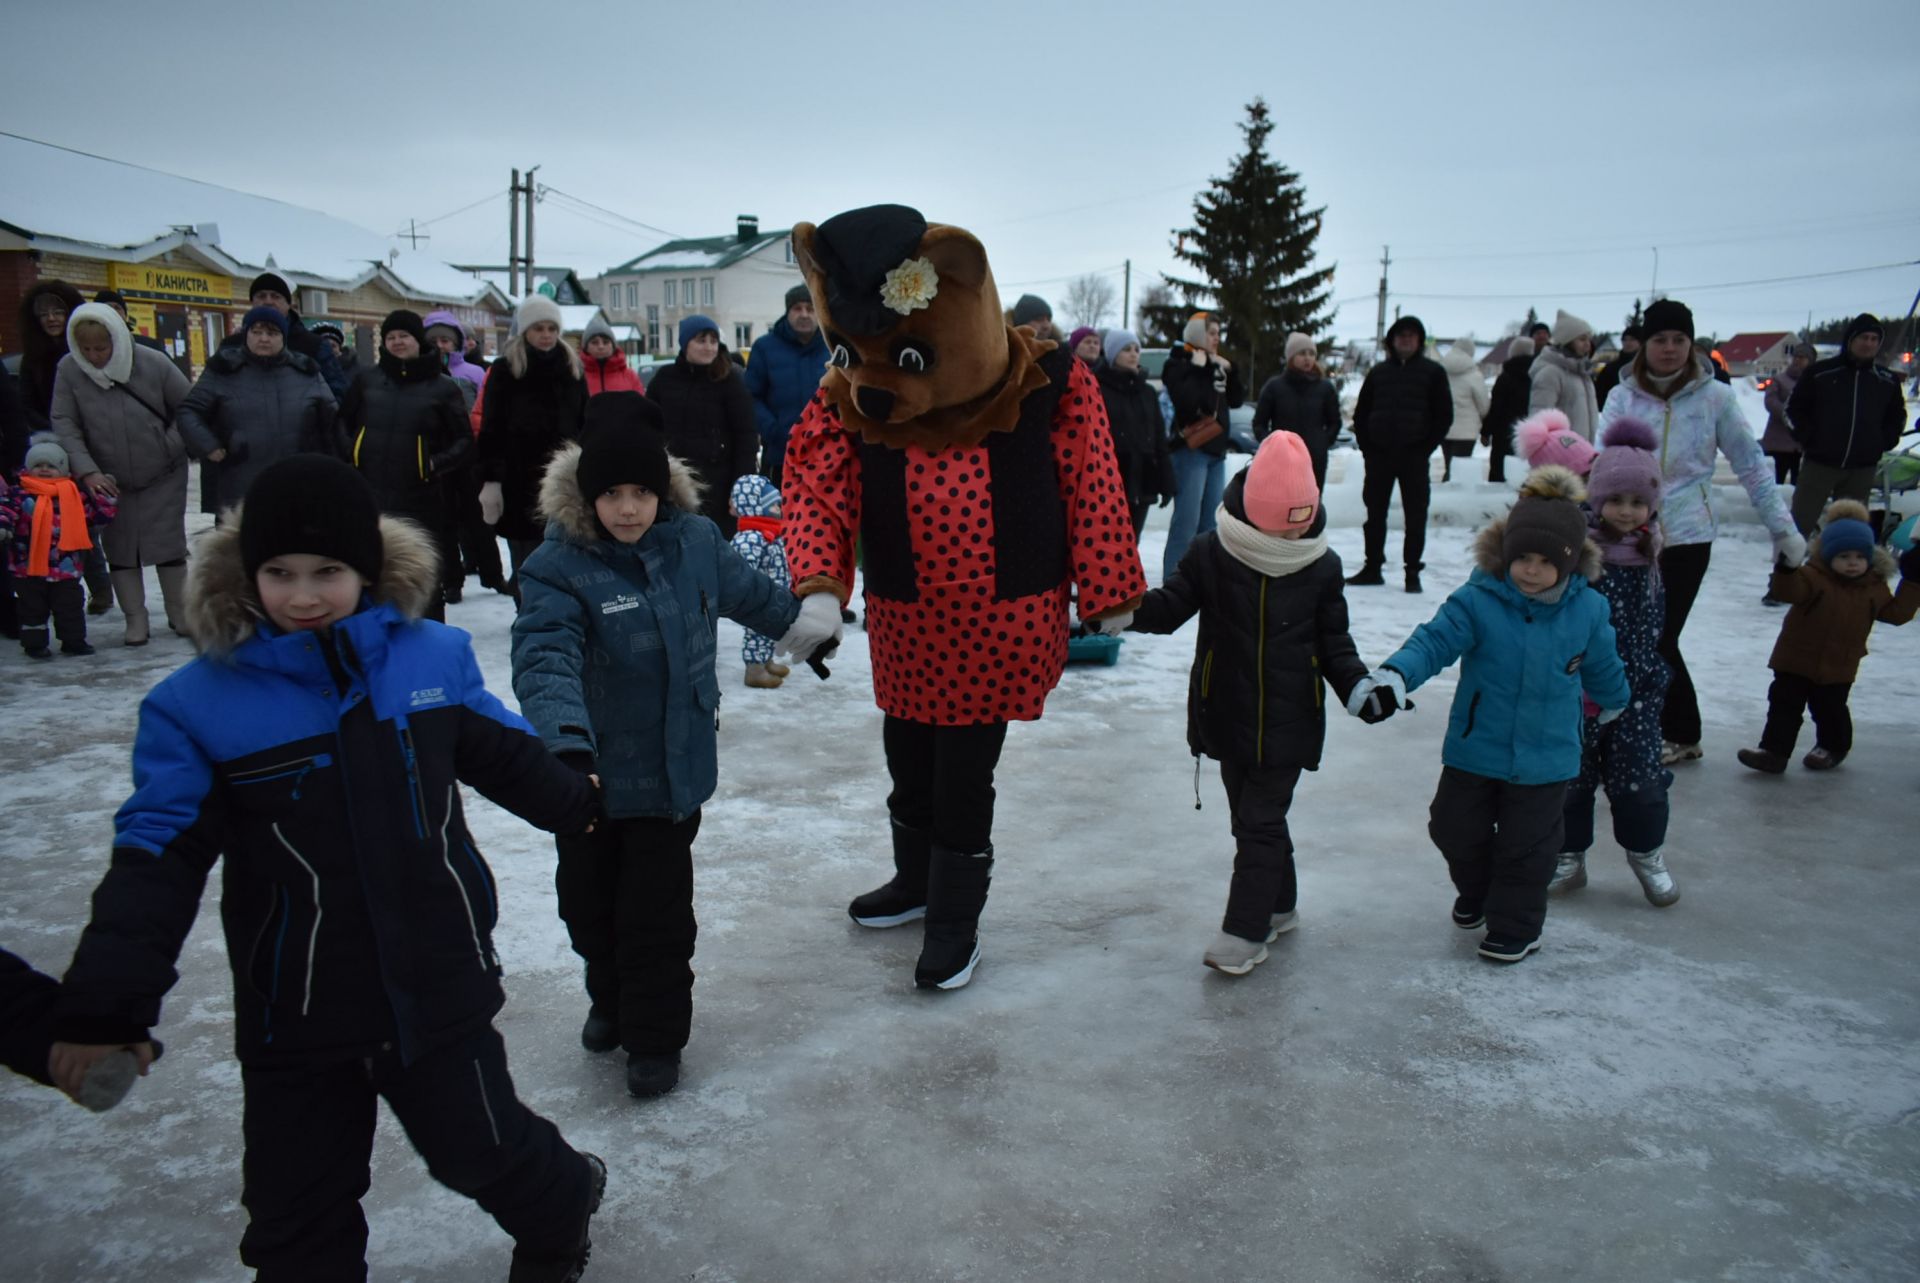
(1563, 375)
(113, 409)
(1471, 401)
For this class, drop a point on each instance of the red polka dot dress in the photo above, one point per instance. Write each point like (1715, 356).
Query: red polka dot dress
(967, 570)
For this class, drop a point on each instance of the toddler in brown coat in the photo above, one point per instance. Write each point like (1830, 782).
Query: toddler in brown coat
(1845, 585)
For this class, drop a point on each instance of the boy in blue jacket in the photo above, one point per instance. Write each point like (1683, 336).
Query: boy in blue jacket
(1531, 634)
(318, 742)
(613, 661)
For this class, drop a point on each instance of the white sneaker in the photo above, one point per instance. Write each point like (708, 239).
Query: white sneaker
(1233, 956)
(1671, 752)
(1651, 868)
(1570, 874)
(1281, 923)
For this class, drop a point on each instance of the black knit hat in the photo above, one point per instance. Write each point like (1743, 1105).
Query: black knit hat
(409, 322)
(312, 504)
(623, 443)
(1667, 314)
(1029, 308)
(271, 281)
(1634, 332)
(1865, 323)
(799, 294)
(855, 251)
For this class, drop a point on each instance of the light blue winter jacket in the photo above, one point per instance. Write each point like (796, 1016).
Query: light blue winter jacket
(1702, 421)
(613, 650)
(1523, 664)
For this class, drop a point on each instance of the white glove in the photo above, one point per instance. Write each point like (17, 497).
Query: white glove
(818, 623)
(1114, 625)
(1608, 714)
(492, 504)
(1791, 548)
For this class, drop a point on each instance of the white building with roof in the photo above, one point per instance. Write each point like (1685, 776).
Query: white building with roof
(739, 281)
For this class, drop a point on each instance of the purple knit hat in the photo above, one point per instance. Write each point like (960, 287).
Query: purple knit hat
(1628, 464)
(1073, 339)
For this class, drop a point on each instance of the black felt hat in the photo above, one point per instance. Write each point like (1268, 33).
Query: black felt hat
(855, 251)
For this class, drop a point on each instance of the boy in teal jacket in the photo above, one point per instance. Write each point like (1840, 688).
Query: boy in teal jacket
(1531, 635)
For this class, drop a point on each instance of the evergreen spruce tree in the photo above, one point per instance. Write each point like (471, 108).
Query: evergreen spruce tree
(1251, 246)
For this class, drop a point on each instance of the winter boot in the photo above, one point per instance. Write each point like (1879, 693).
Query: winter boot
(760, 679)
(569, 1265)
(1651, 868)
(777, 668)
(1761, 760)
(1501, 949)
(1281, 923)
(173, 591)
(1570, 874)
(1413, 579)
(601, 1032)
(652, 1075)
(99, 594)
(1822, 759)
(1232, 956)
(34, 642)
(1467, 914)
(130, 586)
(956, 893)
(904, 898)
(1368, 576)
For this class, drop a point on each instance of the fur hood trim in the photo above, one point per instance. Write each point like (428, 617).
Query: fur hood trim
(223, 608)
(562, 503)
(1882, 565)
(1552, 481)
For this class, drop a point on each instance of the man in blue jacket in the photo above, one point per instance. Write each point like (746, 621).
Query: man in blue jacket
(782, 375)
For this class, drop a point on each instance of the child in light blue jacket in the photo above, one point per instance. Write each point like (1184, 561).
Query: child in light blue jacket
(1531, 635)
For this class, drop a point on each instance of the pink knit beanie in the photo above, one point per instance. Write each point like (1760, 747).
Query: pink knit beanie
(1281, 493)
(1547, 438)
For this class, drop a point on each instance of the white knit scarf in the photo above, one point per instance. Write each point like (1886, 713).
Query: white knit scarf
(1269, 554)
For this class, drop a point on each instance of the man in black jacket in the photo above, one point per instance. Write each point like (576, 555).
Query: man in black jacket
(1609, 376)
(1402, 416)
(1845, 412)
(1507, 405)
(269, 289)
(1301, 401)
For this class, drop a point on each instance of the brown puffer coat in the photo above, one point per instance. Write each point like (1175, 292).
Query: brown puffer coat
(1824, 637)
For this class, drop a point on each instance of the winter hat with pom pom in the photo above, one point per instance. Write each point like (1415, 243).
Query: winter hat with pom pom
(1548, 438)
(1547, 519)
(1281, 494)
(1627, 464)
(1846, 530)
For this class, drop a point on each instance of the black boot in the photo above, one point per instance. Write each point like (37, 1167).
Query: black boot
(601, 1032)
(1369, 576)
(567, 1265)
(956, 893)
(651, 1075)
(904, 898)
(1413, 578)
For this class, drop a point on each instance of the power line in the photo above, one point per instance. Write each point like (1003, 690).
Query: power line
(614, 213)
(429, 222)
(1667, 290)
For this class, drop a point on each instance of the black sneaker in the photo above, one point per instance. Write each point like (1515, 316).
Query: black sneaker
(1368, 576)
(1822, 759)
(888, 906)
(601, 1032)
(76, 648)
(1467, 915)
(947, 964)
(1501, 949)
(1760, 760)
(649, 1076)
(566, 1267)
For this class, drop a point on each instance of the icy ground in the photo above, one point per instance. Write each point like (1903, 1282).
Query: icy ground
(1727, 1089)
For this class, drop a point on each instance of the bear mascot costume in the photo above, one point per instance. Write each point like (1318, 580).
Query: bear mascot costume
(973, 464)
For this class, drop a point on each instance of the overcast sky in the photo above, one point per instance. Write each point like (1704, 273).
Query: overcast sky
(1509, 153)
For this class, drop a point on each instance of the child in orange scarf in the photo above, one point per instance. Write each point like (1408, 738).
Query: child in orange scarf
(49, 524)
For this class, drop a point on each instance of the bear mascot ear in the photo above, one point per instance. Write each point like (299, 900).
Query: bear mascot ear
(958, 257)
(816, 276)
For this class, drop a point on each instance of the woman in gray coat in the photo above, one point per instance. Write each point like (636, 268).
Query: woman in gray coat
(1563, 375)
(255, 405)
(113, 409)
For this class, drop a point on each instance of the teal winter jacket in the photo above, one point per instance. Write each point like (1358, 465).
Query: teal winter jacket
(613, 650)
(1524, 663)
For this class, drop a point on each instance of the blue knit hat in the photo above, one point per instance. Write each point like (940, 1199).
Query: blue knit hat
(1116, 342)
(1845, 534)
(264, 316)
(692, 327)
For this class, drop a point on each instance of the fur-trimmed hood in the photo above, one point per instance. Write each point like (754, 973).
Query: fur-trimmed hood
(1549, 482)
(223, 609)
(562, 504)
(1883, 565)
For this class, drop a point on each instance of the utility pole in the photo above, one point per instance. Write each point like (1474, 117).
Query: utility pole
(1380, 317)
(1654, 293)
(513, 235)
(415, 235)
(529, 258)
(1126, 293)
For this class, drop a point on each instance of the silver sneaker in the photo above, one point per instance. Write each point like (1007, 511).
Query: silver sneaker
(1233, 956)
(1281, 923)
(1651, 869)
(1570, 874)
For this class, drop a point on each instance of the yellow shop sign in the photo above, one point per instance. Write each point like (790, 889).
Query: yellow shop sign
(174, 284)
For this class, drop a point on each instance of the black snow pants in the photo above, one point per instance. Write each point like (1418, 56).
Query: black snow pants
(309, 1140)
(59, 598)
(626, 895)
(1264, 882)
(1501, 841)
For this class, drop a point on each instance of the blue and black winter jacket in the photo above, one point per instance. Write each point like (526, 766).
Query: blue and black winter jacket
(325, 768)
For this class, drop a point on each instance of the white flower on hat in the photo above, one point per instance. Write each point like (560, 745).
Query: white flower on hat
(910, 286)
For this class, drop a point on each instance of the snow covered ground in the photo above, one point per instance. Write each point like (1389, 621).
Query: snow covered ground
(1728, 1089)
